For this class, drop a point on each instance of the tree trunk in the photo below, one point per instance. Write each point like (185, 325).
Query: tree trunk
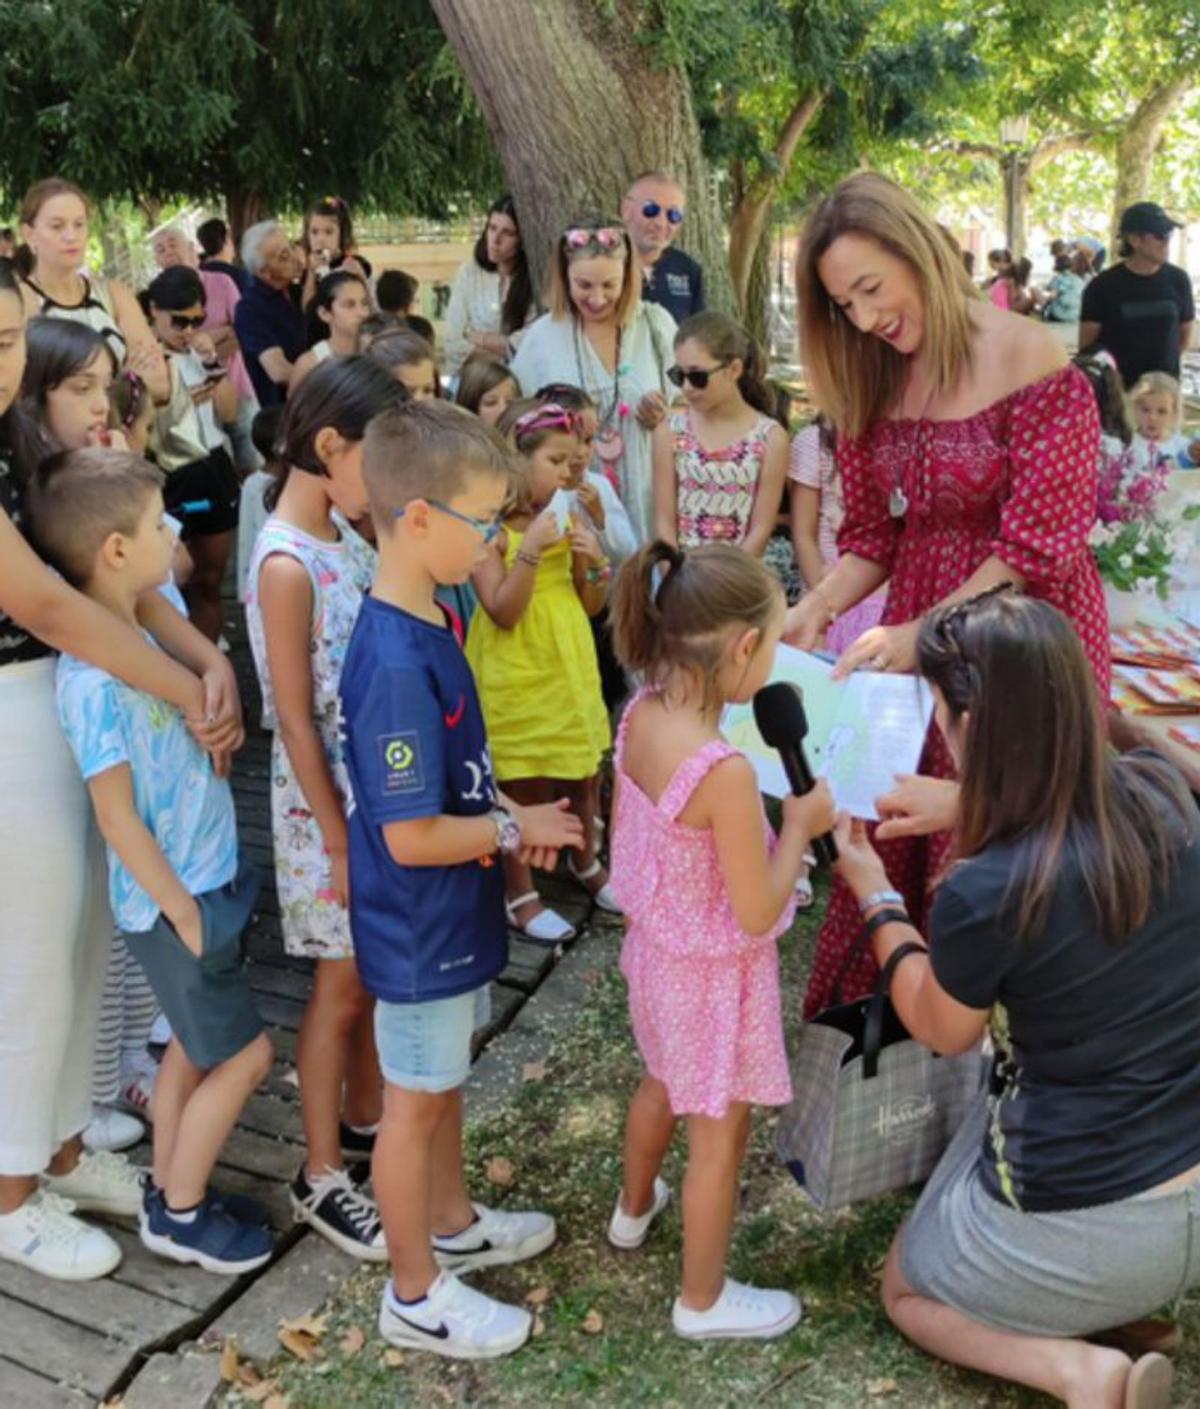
(242, 209)
(576, 112)
(1015, 167)
(1138, 142)
(756, 309)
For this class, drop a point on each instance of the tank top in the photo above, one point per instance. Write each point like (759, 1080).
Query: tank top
(16, 644)
(94, 310)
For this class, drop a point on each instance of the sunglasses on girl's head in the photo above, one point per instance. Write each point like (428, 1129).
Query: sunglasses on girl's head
(184, 320)
(694, 376)
(607, 238)
(652, 210)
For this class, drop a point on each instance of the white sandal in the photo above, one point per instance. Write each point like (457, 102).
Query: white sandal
(548, 927)
(604, 898)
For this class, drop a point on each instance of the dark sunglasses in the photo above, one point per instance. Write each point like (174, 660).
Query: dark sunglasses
(652, 210)
(182, 320)
(695, 376)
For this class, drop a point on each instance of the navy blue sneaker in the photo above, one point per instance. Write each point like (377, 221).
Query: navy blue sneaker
(238, 1206)
(213, 1240)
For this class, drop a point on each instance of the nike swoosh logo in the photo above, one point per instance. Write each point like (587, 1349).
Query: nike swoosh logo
(485, 1246)
(439, 1332)
(453, 720)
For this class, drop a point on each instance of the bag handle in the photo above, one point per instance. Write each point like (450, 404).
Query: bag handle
(857, 949)
(873, 1027)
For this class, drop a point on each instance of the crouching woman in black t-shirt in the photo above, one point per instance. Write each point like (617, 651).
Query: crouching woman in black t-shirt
(1069, 1202)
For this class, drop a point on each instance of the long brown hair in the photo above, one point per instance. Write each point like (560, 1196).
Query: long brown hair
(856, 377)
(34, 199)
(1037, 773)
(724, 338)
(586, 238)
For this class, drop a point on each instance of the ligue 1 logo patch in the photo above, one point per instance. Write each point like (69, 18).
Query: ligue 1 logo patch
(400, 755)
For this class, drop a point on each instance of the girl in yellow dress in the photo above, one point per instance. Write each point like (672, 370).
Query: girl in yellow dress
(531, 649)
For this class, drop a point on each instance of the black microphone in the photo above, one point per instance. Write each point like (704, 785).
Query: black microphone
(779, 714)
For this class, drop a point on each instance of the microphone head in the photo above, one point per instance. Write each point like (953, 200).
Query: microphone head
(779, 714)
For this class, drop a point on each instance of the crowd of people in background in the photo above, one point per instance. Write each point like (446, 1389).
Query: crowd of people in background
(458, 557)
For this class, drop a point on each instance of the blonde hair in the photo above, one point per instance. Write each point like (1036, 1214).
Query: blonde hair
(1158, 384)
(558, 289)
(856, 377)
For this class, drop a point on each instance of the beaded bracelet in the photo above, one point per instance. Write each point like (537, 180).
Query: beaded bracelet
(527, 558)
(601, 572)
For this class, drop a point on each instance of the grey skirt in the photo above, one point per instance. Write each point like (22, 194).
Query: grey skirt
(1045, 1274)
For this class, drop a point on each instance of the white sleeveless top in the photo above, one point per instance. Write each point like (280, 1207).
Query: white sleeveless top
(95, 310)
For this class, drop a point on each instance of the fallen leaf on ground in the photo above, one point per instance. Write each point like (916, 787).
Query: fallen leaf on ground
(229, 1360)
(353, 1341)
(116, 1402)
(539, 1296)
(878, 1388)
(302, 1344)
(533, 1071)
(393, 1359)
(278, 1401)
(499, 1170)
(593, 1322)
(248, 1374)
(539, 1327)
(261, 1392)
(310, 1324)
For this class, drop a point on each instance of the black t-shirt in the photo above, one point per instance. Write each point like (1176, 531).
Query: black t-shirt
(16, 644)
(1095, 1092)
(1140, 316)
(676, 282)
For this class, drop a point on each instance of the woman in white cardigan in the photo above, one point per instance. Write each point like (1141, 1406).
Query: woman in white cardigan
(600, 336)
(491, 299)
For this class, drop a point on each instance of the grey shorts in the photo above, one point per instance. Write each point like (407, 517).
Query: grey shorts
(207, 1000)
(1069, 1273)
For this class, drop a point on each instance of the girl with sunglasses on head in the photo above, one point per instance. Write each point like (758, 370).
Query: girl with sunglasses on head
(720, 461)
(600, 336)
(531, 649)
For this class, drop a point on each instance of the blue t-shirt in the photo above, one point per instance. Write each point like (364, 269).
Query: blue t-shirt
(266, 318)
(415, 746)
(187, 808)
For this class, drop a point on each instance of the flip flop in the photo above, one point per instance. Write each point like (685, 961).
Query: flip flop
(1149, 1383)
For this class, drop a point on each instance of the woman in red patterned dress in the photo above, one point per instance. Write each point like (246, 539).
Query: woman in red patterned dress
(968, 449)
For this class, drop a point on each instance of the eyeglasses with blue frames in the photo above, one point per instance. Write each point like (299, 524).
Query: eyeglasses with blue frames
(487, 529)
(652, 210)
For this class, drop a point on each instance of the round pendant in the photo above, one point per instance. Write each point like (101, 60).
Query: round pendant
(897, 503)
(608, 445)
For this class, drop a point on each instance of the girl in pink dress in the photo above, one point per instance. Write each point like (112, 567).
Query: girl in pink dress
(707, 890)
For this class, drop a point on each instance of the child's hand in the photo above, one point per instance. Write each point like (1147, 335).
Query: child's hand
(545, 830)
(542, 532)
(147, 361)
(584, 543)
(651, 409)
(188, 926)
(590, 501)
(858, 862)
(204, 347)
(813, 813)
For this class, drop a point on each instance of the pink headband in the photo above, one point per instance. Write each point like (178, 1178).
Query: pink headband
(548, 417)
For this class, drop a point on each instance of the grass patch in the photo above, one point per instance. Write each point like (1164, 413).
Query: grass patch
(563, 1137)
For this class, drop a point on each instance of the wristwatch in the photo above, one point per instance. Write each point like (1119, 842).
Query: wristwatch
(508, 831)
(882, 897)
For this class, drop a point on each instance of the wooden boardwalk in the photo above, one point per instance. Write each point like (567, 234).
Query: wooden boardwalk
(74, 1344)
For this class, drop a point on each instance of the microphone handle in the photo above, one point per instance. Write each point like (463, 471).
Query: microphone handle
(801, 781)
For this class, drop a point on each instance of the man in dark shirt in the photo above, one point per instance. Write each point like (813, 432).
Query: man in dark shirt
(269, 326)
(653, 211)
(1141, 309)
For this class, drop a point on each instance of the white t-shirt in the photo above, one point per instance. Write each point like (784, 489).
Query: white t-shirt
(192, 373)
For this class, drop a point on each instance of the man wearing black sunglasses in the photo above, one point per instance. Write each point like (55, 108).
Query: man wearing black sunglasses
(653, 211)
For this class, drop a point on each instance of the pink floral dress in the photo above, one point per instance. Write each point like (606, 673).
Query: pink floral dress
(715, 490)
(704, 998)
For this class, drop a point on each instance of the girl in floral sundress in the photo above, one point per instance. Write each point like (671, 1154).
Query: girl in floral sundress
(707, 890)
(720, 461)
(306, 582)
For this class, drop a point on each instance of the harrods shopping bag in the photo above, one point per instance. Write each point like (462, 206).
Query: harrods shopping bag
(872, 1109)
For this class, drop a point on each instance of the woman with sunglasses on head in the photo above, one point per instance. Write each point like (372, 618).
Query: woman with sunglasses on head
(720, 462)
(491, 299)
(600, 336)
(969, 454)
(653, 211)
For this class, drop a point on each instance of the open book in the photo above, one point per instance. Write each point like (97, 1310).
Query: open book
(862, 731)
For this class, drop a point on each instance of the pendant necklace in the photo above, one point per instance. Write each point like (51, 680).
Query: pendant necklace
(608, 444)
(897, 499)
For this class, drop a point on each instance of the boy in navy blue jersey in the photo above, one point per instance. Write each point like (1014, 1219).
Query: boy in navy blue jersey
(426, 897)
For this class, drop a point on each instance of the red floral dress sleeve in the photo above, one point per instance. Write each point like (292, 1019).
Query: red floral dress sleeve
(1050, 502)
(868, 530)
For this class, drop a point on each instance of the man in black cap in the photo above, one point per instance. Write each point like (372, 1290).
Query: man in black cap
(1140, 309)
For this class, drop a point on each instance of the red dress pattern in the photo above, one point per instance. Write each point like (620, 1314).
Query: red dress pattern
(1017, 481)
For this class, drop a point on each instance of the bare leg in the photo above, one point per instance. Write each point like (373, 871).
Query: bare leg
(66, 1157)
(208, 1117)
(585, 803)
(336, 1008)
(649, 1128)
(177, 1081)
(1083, 1376)
(450, 1209)
(363, 1099)
(15, 1189)
(710, 1187)
(210, 554)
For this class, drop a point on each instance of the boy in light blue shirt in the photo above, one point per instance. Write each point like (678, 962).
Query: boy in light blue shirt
(176, 889)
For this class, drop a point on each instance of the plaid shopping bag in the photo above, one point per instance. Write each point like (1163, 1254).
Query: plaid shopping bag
(873, 1110)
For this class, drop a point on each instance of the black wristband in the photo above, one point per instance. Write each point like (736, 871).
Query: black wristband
(885, 917)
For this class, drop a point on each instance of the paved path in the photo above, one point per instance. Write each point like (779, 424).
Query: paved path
(74, 1344)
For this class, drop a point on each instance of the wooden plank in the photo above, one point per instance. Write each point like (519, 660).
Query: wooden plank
(58, 1349)
(270, 1159)
(22, 1389)
(279, 1012)
(505, 1003)
(273, 1117)
(272, 1195)
(283, 982)
(190, 1289)
(123, 1312)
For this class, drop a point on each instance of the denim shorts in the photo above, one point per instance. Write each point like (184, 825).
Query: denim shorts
(427, 1046)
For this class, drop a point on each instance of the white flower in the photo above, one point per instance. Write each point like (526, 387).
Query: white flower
(1141, 549)
(1125, 561)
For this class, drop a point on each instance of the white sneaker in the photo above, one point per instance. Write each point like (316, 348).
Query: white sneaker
(625, 1231)
(739, 1313)
(110, 1129)
(101, 1183)
(454, 1320)
(44, 1236)
(495, 1238)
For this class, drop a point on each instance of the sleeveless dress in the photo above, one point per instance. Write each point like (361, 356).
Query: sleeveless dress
(95, 310)
(1018, 481)
(538, 681)
(315, 925)
(715, 490)
(704, 996)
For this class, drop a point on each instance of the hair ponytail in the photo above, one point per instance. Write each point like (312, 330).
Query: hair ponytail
(726, 339)
(635, 614)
